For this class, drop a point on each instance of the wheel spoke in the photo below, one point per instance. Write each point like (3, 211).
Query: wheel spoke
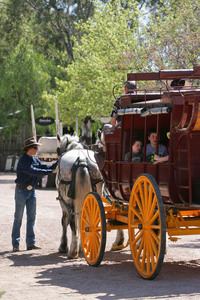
(137, 237)
(137, 213)
(152, 252)
(145, 199)
(92, 211)
(153, 245)
(97, 221)
(86, 221)
(141, 194)
(153, 205)
(139, 203)
(153, 226)
(93, 229)
(97, 242)
(147, 240)
(140, 249)
(155, 237)
(150, 198)
(152, 220)
(148, 257)
(144, 256)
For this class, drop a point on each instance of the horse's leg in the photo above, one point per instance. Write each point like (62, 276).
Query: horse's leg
(63, 244)
(119, 239)
(73, 252)
(83, 187)
(99, 188)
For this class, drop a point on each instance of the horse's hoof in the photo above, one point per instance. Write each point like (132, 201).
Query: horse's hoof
(63, 250)
(72, 256)
(117, 247)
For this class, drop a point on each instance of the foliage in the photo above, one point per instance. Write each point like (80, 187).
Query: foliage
(101, 60)
(114, 45)
(75, 52)
(1, 294)
(171, 39)
(58, 18)
(24, 76)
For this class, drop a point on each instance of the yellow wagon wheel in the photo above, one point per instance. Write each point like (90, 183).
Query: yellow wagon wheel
(93, 229)
(147, 227)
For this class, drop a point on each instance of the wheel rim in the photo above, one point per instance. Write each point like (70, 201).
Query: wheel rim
(93, 229)
(147, 229)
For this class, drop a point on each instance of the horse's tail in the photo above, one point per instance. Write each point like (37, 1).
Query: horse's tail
(83, 185)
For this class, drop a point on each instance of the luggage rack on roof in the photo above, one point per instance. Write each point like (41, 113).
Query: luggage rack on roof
(145, 111)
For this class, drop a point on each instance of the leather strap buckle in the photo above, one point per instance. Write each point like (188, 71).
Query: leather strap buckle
(29, 187)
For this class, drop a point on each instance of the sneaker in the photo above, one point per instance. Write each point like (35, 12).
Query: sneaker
(15, 249)
(32, 247)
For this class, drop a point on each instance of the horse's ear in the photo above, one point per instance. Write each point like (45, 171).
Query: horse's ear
(74, 134)
(58, 137)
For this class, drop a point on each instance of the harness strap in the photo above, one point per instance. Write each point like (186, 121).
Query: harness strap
(70, 209)
(95, 181)
(79, 163)
(65, 182)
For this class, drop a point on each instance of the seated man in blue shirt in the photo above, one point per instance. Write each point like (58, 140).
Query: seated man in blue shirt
(151, 147)
(129, 88)
(29, 169)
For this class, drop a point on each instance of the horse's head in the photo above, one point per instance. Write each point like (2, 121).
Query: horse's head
(68, 142)
(101, 135)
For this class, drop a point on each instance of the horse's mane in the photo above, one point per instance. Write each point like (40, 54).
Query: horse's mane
(69, 142)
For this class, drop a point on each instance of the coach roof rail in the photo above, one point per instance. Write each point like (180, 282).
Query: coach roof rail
(166, 74)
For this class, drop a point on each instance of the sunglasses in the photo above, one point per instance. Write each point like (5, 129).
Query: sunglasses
(35, 147)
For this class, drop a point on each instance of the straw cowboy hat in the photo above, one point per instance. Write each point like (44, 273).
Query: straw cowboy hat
(31, 142)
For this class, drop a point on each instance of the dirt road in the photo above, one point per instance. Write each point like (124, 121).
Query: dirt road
(46, 274)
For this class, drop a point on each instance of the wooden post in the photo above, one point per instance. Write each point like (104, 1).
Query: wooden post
(57, 120)
(76, 125)
(33, 123)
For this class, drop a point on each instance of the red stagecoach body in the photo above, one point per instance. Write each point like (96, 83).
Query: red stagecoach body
(176, 111)
(148, 199)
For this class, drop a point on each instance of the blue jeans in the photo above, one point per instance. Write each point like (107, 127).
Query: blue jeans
(23, 198)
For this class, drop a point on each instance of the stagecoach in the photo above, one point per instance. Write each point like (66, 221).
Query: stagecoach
(149, 199)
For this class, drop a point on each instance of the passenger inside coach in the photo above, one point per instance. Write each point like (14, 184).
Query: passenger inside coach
(158, 159)
(137, 155)
(151, 147)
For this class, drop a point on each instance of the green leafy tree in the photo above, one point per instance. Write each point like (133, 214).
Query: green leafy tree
(28, 63)
(24, 77)
(171, 39)
(101, 60)
(56, 20)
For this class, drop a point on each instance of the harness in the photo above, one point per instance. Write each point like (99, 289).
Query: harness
(71, 192)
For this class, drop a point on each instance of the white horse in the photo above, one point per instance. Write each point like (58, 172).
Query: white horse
(77, 175)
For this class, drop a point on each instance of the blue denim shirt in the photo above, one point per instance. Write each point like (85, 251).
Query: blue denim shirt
(30, 168)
